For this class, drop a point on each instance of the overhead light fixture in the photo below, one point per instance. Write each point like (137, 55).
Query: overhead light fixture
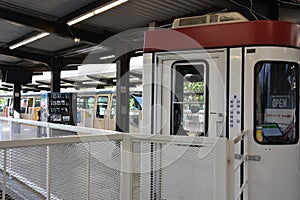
(28, 40)
(109, 6)
(107, 57)
(80, 18)
(96, 11)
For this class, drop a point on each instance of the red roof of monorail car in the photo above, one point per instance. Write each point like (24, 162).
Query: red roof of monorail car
(250, 33)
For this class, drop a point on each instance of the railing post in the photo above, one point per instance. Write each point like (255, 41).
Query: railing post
(230, 169)
(11, 132)
(1, 136)
(89, 172)
(126, 169)
(48, 131)
(4, 174)
(246, 165)
(48, 180)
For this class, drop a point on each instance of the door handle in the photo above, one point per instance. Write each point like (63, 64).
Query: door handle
(220, 125)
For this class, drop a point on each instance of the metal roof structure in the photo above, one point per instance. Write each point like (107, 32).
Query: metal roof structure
(23, 19)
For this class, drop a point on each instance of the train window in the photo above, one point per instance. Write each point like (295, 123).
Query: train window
(135, 102)
(86, 103)
(188, 114)
(102, 104)
(3, 103)
(23, 105)
(113, 106)
(29, 105)
(276, 103)
(37, 102)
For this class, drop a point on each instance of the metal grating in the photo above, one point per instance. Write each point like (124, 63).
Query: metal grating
(28, 165)
(69, 171)
(192, 171)
(177, 172)
(78, 171)
(161, 169)
(105, 170)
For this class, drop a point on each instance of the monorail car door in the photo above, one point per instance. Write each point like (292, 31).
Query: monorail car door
(271, 100)
(102, 105)
(189, 93)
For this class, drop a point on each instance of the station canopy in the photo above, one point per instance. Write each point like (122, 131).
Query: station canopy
(35, 34)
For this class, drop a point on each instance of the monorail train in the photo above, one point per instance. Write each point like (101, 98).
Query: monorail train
(29, 105)
(217, 80)
(220, 79)
(94, 109)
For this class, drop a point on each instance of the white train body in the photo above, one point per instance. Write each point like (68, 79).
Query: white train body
(218, 80)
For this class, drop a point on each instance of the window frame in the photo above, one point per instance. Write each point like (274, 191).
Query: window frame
(98, 112)
(193, 63)
(255, 106)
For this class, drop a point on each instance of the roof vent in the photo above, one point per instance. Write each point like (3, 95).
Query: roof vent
(219, 18)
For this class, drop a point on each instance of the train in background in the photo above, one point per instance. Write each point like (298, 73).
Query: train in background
(94, 109)
(29, 105)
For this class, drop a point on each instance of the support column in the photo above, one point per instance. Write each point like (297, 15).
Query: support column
(55, 80)
(17, 111)
(17, 100)
(56, 66)
(122, 117)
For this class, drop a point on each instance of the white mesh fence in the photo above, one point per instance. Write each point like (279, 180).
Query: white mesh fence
(77, 170)
(92, 169)
(173, 171)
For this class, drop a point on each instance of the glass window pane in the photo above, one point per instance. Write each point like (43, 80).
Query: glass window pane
(85, 102)
(189, 100)
(102, 105)
(37, 102)
(276, 102)
(113, 105)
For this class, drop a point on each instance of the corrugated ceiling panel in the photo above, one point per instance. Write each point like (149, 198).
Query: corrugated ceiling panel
(138, 13)
(10, 31)
(54, 8)
(51, 43)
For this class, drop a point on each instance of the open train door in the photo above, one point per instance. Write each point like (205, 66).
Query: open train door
(271, 89)
(189, 98)
(189, 93)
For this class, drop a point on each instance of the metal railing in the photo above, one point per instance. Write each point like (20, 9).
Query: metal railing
(101, 164)
(241, 166)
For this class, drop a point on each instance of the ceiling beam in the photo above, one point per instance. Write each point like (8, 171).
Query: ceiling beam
(108, 81)
(24, 55)
(61, 29)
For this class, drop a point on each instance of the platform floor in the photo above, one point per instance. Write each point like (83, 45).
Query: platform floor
(25, 132)
(28, 132)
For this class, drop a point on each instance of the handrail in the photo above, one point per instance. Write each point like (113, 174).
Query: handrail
(62, 127)
(59, 140)
(240, 137)
(243, 160)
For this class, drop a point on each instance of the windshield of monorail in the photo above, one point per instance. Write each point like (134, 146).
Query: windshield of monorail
(276, 103)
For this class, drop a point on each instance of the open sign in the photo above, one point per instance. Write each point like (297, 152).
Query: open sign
(279, 102)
